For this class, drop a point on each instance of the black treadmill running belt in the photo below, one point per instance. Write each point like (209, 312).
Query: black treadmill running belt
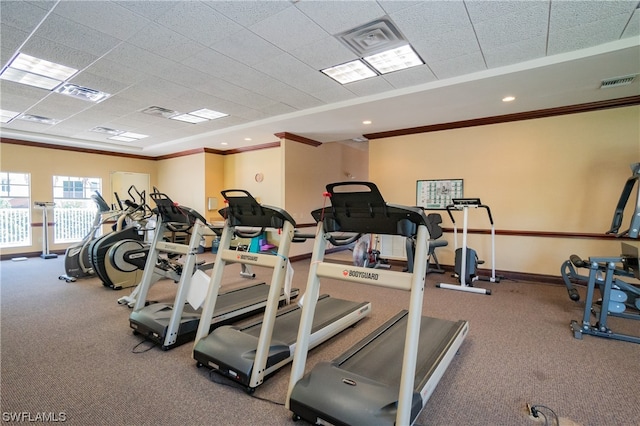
(328, 310)
(381, 360)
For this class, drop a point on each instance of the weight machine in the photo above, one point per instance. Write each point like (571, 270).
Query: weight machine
(618, 297)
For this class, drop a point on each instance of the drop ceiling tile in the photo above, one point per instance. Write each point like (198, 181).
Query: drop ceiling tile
(246, 47)
(199, 22)
(299, 100)
(567, 14)
(19, 97)
(10, 41)
(391, 6)
(139, 59)
(247, 13)
(165, 42)
(297, 74)
(521, 23)
(633, 27)
(337, 93)
(457, 66)
(149, 9)
(103, 16)
(323, 53)
(77, 36)
(444, 46)
(21, 14)
(342, 15)
(430, 18)
(58, 53)
(97, 82)
(513, 53)
(116, 71)
(582, 36)
(410, 77)
(481, 11)
(289, 29)
(59, 106)
(370, 86)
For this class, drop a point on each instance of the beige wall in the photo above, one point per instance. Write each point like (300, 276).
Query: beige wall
(558, 174)
(241, 169)
(308, 169)
(44, 163)
(183, 180)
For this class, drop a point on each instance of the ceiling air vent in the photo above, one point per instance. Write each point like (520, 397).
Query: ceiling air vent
(618, 81)
(160, 112)
(373, 37)
(38, 119)
(108, 131)
(84, 93)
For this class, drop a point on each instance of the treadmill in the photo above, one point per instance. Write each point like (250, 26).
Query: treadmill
(250, 354)
(367, 384)
(171, 325)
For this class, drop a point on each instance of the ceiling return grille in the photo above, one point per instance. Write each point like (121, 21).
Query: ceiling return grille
(618, 81)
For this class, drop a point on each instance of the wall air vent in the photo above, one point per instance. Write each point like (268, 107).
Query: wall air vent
(374, 37)
(159, 112)
(618, 81)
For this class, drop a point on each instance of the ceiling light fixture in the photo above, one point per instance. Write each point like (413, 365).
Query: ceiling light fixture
(188, 118)
(7, 116)
(36, 72)
(209, 114)
(349, 72)
(366, 122)
(508, 99)
(122, 139)
(29, 79)
(119, 135)
(395, 59)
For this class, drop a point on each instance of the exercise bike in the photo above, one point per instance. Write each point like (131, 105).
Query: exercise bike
(77, 262)
(466, 258)
(367, 254)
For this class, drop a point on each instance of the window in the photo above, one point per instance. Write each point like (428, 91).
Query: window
(74, 209)
(15, 220)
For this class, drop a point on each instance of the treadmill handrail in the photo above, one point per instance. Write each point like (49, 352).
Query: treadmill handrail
(366, 212)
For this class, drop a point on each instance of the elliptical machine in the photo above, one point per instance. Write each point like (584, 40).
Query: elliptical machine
(466, 261)
(77, 262)
(107, 252)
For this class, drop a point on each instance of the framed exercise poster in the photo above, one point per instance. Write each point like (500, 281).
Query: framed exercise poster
(436, 194)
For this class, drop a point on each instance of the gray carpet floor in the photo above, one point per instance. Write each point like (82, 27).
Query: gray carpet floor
(67, 351)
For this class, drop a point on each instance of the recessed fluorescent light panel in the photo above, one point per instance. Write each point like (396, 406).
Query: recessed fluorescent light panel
(84, 93)
(119, 135)
(188, 118)
(122, 139)
(7, 116)
(29, 79)
(36, 72)
(349, 72)
(395, 59)
(209, 114)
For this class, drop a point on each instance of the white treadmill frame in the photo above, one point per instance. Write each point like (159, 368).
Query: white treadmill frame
(279, 265)
(413, 282)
